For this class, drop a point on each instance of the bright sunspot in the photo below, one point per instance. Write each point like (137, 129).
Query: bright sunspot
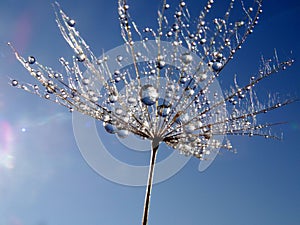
(6, 141)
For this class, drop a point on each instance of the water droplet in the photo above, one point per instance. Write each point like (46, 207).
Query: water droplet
(14, 83)
(217, 66)
(80, 57)
(113, 98)
(119, 111)
(50, 89)
(175, 27)
(85, 81)
(131, 100)
(240, 23)
(122, 133)
(189, 129)
(31, 60)
(161, 64)
(119, 58)
(202, 77)
(148, 94)
(71, 22)
(202, 41)
(186, 58)
(94, 99)
(183, 80)
(163, 110)
(117, 79)
(117, 72)
(207, 152)
(110, 128)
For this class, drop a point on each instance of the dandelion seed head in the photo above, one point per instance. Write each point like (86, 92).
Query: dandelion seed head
(172, 96)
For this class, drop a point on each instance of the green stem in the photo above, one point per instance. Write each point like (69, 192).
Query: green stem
(155, 145)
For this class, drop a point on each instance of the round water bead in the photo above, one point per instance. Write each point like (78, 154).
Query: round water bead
(202, 76)
(80, 57)
(117, 79)
(217, 66)
(202, 41)
(113, 98)
(163, 110)
(117, 72)
(31, 60)
(186, 58)
(122, 133)
(119, 111)
(190, 128)
(131, 100)
(14, 83)
(94, 99)
(190, 91)
(119, 58)
(85, 81)
(161, 64)
(110, 128)
(148, 94)
(71, 22)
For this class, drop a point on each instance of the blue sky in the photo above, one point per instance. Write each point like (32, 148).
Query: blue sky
(44, 180)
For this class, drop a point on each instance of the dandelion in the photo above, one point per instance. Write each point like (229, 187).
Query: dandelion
(164, 87)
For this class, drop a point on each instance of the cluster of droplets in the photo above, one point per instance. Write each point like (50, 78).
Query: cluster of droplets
(171, 96)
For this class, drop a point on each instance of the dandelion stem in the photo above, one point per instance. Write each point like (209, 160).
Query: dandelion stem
(155, 145)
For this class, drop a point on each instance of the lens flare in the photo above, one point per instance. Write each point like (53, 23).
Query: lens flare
(6, 141)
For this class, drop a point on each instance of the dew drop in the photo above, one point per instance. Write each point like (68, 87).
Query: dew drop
(119, 111)
(186, 58)
(202, 77)
(110, 128)
(217, 66)
(117, 79)
(163, 110)
(189, 129)
(148, 94)
(71, 22)
(122, 133)
(113, 98)
(202, 41)
(14, 83)
(31, 60)
(94, 99)
(131, 100)
(119, 58)
(161, 64)
(85, 81)
(80, 57)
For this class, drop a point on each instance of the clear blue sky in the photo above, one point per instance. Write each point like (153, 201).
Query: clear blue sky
(45, 181)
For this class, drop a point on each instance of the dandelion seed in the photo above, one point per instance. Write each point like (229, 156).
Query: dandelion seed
(169, 98)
